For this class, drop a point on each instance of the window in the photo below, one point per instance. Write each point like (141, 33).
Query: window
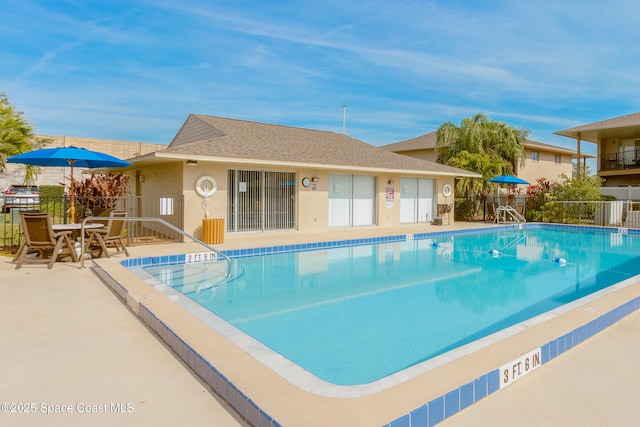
(558, 159)
(535, 156)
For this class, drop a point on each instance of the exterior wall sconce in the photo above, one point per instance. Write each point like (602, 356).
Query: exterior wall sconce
(315, 179)
(391, 182)
(192, 162)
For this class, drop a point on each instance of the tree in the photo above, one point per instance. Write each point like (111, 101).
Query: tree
(587, 188)
(585, 169)
(16, 136)
(480, 145)
(566, 189)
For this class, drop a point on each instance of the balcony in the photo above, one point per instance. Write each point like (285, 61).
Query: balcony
(629, 159)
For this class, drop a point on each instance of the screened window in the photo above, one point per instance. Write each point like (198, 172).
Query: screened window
(535, 156)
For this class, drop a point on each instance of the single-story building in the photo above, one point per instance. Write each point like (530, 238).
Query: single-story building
(261, 177)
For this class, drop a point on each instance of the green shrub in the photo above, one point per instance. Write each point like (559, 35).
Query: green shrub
(464, 209)
(51, 191)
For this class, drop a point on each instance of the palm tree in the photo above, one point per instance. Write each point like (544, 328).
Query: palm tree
(16, 136)
(480, 145)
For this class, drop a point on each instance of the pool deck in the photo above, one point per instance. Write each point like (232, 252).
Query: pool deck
(68, 340)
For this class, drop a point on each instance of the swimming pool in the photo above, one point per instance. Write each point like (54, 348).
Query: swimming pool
(360, 314)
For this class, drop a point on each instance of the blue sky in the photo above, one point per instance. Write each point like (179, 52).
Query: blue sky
(134, 70)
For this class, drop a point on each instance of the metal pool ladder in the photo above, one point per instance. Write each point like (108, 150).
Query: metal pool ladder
(503, 212)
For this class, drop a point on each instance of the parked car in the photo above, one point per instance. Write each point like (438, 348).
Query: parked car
(21, 197)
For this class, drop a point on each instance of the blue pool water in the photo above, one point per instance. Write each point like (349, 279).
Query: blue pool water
(353, 315)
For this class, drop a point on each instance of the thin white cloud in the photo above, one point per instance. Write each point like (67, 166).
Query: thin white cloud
(402, 68)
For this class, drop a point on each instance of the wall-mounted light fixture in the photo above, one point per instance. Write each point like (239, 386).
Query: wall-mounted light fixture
(192, 162)
(391, 182)
(315, 179)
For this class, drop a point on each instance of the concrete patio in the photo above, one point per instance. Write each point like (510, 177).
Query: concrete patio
(69, 343)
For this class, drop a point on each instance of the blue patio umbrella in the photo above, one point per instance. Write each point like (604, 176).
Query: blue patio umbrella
(508, 179)
(69, 156)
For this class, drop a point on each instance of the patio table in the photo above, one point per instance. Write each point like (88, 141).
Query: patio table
(75, 229)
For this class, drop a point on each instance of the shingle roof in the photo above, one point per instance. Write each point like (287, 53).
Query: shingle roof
(422, 142)
(218, 137)
(621, 126)
(553, 148)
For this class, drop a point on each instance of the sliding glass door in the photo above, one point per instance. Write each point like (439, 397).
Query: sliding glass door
(261, 200)
(417, 200)
(351, 200)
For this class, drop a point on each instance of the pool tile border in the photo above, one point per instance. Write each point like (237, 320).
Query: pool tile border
(427, 415)
(451, 403)
(221, 385)
(301, 247)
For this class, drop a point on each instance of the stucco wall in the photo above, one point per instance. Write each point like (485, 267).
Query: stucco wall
(312, 202)
(429, 154)
(389, 213)
(544, 167)
(216, 205)
(158, 182)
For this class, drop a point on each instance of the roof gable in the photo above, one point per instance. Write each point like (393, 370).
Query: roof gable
(195, 129)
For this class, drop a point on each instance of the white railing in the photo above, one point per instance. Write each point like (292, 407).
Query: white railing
(621, 193)
(508, 214)
(615, 213)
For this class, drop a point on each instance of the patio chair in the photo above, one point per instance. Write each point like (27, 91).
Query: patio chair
(105, 213)
(111, 235)
(20, 249)
(37, 229)
(491, 212)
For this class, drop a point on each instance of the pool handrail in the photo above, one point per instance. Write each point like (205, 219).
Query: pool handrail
(149, 218)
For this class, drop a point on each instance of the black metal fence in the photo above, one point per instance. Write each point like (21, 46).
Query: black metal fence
(629, 159)
(169, 209)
